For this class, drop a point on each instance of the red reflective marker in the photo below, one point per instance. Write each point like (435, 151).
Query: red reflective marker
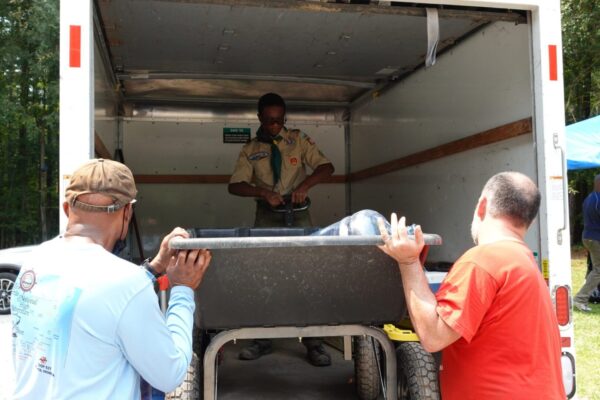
(553, 62)
(75, 46)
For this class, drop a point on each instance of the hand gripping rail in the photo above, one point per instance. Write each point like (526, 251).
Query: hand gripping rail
(289, 241)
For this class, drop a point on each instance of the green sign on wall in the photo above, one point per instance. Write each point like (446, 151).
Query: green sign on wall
(236, 135)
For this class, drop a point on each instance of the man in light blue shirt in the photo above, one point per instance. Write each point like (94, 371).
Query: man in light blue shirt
(86, 324)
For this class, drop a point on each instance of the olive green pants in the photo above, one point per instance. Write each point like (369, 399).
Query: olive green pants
(593, 278)
(265, 218)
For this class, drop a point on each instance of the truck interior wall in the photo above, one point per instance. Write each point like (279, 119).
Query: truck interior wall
(105, 105)
(482, 83)
(170, 147)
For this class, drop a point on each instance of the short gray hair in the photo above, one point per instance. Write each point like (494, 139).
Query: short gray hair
(513, 195)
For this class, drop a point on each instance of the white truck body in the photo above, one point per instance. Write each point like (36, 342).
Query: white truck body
(160, 80)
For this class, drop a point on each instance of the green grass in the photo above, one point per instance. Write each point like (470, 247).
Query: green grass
(587, 341)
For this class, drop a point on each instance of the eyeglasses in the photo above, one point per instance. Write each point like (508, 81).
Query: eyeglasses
(273, 121)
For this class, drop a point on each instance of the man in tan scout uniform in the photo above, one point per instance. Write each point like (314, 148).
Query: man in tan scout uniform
(271, 166)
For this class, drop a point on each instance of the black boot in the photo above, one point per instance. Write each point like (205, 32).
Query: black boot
(258, 348)
(318, 356)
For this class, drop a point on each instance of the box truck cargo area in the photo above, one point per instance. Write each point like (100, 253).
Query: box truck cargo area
(416, 105)
(353, 80)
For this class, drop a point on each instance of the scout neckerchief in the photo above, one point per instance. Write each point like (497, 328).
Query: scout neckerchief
(264, 137)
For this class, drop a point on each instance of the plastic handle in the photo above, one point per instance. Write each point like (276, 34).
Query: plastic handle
(559, 233)
(163, 283)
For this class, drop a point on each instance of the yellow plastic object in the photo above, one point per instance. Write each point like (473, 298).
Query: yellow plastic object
(400, 335)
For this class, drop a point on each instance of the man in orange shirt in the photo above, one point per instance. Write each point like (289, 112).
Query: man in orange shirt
(492, 316)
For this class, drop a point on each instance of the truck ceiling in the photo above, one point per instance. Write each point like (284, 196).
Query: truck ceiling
(225, 51)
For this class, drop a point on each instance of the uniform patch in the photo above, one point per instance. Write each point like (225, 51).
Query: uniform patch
(27, 281)
(308, 139)
(294, 161)
(290, 141)
(258, 155)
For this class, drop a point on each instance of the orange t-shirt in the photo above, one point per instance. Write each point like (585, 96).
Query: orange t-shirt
(495, 298)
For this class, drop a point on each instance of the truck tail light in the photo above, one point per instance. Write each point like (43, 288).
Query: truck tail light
(563, 305)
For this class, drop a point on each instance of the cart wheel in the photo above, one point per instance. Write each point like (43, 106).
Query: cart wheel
(190, 388)
(417, 373)
(193, 383)
(366, 369)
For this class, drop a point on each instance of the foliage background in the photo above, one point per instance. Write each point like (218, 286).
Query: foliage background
(581, 59)
(29, 73)
(29, 38)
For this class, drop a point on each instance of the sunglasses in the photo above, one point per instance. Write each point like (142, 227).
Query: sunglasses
(273, 121)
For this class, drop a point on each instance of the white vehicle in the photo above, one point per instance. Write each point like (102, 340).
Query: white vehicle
(416, 104)
(10, 264)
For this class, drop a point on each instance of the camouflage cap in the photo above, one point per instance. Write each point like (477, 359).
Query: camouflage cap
(106, 177)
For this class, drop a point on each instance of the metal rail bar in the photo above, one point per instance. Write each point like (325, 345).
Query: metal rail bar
(282, 241)
(250, 77)
(210, 356)
(199, 100)
(391, 9)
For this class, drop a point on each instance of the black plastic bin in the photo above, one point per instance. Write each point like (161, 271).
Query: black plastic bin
(263, 277)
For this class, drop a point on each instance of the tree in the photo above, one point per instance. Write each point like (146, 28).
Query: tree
(581, 55)
(29, 41)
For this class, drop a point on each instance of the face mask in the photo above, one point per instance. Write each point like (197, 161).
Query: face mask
(120, 244)
(118, 247)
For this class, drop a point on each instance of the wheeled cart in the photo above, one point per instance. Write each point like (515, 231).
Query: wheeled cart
(281, 283)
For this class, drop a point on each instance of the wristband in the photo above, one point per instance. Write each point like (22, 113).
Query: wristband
(146, 265)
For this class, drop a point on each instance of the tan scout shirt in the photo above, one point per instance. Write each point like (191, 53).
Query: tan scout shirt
(297, 150)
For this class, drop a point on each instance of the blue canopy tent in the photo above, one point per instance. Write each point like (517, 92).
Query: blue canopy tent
(583, 144)
(583, 151)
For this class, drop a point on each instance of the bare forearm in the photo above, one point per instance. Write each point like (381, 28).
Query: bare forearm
(433, 332)
(320, 174)
(246, 190)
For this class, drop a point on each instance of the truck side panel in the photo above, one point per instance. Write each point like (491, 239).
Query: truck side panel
(483, 83)
(106, 124)
(441, 195)
(76, 59)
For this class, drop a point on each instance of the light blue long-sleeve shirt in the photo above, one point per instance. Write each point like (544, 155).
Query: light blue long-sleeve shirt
(86, 324)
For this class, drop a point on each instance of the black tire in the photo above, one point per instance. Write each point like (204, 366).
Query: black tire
(417, 373)
(366, 367)
(7, 282)
(192, 387)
